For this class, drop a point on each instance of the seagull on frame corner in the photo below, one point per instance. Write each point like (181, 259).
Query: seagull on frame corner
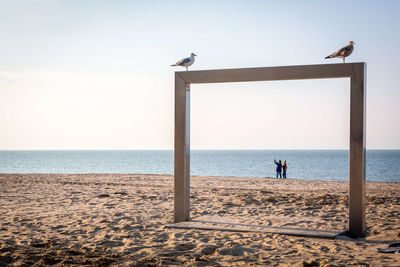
(343, 52)
(186, 62)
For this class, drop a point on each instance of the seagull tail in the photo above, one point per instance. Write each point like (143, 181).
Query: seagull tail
(328, 56)
(174, 65)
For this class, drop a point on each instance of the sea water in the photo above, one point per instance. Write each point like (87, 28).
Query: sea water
(381, 165)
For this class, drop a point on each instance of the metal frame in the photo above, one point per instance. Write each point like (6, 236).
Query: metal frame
(355, 71)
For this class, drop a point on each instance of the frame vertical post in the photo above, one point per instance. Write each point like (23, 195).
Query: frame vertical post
(182, 151)
(357, 225)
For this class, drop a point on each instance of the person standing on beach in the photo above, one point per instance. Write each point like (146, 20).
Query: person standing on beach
(278, 168)
(284, 167)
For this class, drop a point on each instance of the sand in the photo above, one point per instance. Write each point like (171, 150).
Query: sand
(98, 219)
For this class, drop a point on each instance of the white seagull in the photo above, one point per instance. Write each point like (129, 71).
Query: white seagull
(186, 62)
(344, 51)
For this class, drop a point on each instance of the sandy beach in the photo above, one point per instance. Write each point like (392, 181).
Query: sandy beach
(100, 219)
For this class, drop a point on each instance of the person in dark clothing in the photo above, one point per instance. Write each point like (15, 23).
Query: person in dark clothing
(278, 168)
(284, 168)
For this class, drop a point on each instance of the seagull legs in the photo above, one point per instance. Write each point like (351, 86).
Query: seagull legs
(344, 60)
(186, 68)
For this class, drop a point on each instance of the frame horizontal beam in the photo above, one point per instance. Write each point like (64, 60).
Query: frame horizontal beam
(300, 72)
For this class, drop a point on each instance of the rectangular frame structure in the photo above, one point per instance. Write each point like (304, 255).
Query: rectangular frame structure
(355, 71)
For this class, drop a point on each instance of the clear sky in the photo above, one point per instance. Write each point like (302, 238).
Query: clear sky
(96, 74)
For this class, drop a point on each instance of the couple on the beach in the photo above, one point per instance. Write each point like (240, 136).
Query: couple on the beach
(280, 167)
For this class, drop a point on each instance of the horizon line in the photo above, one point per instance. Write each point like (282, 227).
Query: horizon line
(202, 149)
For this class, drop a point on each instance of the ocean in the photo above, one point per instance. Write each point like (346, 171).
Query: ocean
(381, 165)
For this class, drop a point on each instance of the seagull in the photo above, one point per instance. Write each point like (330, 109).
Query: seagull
(186, 62)
(344, 51)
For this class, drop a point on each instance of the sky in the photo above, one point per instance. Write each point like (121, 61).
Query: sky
(96, 74)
